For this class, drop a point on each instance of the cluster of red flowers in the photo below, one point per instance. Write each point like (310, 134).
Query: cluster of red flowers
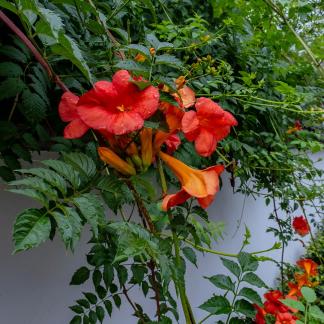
(117, 110)
(273, 305)
(300, 225)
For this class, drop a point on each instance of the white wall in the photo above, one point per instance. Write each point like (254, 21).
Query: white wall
(34, 284)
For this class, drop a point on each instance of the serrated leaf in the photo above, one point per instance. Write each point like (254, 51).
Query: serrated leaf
(83, 302)
(30, 229)
(69, 49)
(80, 276)
(117, 300)
(222, 281)
(139, 48)
(216, 305)
(251, 295)
(91, 209)
(167, 59)
(82, 163)
(93, 317)
(244, 307)
(254, 280)
(10, 69)
(31, 193)
(33, 107)
(131, 66)
(10, 88)
(49, 176)
(14, 53)
(316, 312)
(232, 266)
(190, 254)
(69, 225)
(52, 19)
(96, 277)
(65, 170)
(157, 45)
(122, 274)
(247, 262)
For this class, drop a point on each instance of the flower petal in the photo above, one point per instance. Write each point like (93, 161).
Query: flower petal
(146, 102)
(205, 143)
(124, 122)
(190, 125)
(208, 108)
(75, 129)
(187, 96)
(173, 200)
(121, 82)
(95, 117)
(68, 106)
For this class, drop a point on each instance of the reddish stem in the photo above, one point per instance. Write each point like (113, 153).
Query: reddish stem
(33, 49)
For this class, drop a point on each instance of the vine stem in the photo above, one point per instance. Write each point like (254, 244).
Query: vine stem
(34, 51)
(181, 287)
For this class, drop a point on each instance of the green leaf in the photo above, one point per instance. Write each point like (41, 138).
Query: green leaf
(82, 163)
(92, 298)
(80, 276)
(10, 88)
(52, 19)
(308, 294)
(293, 304)
(30, 229)
(232, 266)
(216, 305)
(76, 320)
(100, 313)
(10, 69)
(167, 59)
(316, 312)
(14, 54)
(96, 277)
(222, 281)
(69, 225)
(140, 48)
(65, 170)
(244, 307)
(156, 44)
(251, 295)
(33, 107)
(108, 274)
(108, 306)
(117, 300)
(247, 262)
(190, 254)
(76, 309)
(83, 302)
(49, 176)
(34, 194)
(93, 317)
(131, 66)
(69, 49)
(91, 209)
(254, 280)
(122, 275)
(138, 272)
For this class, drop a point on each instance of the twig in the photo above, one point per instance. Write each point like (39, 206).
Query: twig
(34, 51)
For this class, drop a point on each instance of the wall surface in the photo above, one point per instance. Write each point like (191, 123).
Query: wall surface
(34, 285)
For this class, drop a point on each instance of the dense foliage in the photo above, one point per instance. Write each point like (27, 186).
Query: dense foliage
(260, 60)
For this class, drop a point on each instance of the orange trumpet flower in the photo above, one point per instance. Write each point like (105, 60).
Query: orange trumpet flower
(309, 266)
(202, 184)
(146, 147)
(111, 158)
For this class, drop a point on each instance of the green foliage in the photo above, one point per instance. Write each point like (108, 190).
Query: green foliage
(66, 202)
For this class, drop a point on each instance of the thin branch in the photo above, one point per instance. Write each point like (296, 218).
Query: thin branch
(34, 51)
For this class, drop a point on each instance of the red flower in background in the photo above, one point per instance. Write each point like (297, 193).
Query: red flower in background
(309, 266)
(68, 112)
(259, 318)
(207, 126)
(172, 143)
(301, 225)
(273, 305)
(118, 107)
(285, 318)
